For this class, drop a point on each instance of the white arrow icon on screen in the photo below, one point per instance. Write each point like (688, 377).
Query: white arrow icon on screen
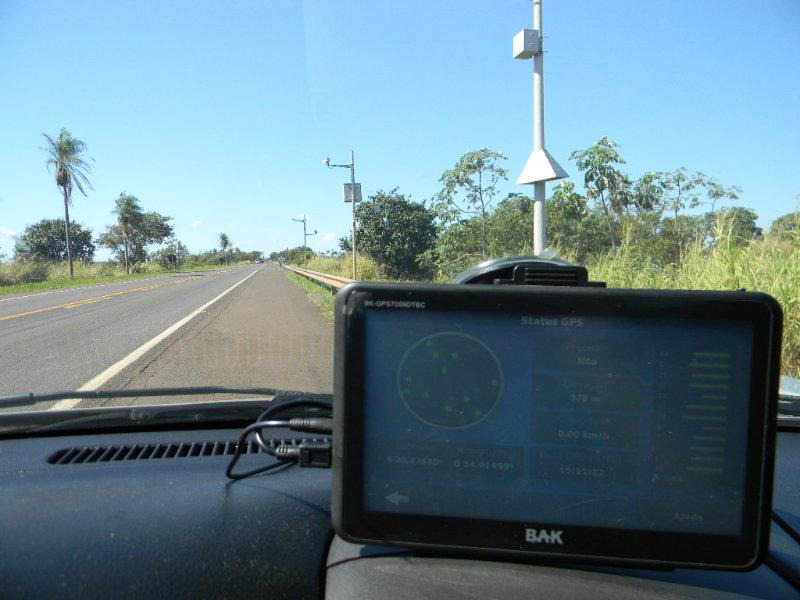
(397, 498)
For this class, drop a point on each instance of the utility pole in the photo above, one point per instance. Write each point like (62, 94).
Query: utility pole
(541, 167)
(305, 235)
(351, 194)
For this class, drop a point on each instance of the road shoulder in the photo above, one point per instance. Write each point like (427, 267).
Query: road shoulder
(265, 333)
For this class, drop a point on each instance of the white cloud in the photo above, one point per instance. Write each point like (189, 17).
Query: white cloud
(6, 232)
(329, 237)
(196, 223)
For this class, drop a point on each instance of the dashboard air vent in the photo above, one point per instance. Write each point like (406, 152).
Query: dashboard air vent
(103, 454)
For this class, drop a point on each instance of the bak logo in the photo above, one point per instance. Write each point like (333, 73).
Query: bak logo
(544, 536)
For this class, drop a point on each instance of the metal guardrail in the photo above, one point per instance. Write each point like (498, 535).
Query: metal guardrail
(332, 282)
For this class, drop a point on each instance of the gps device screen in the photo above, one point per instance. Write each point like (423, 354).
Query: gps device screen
(598, 424)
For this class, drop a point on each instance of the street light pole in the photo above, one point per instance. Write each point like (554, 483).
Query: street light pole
(305, 235)
(354, 197)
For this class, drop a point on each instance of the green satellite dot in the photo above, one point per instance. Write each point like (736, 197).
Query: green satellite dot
(406, 391)
(409, 378)
(455, 355)
(444, 370)
(426, 395)
(477, 413)
(429, 343)
(467, 399)
(495, 382)
(435, 354)
(448, 408)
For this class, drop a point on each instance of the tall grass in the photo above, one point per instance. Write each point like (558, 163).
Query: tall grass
(771, 265)
(368, 268)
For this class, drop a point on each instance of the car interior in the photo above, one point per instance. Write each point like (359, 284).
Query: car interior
(521, 433)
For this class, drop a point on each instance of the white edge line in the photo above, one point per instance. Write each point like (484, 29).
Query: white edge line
(117, 367)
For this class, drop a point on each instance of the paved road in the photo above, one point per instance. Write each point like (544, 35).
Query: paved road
(263, 332)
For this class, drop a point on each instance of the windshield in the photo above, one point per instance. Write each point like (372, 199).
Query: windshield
(169, 168)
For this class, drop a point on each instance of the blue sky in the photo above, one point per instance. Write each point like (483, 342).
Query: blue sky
(219, 114)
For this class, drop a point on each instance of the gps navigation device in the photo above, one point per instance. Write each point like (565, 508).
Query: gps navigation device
(580, 424)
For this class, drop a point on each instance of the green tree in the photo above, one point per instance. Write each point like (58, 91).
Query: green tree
(682, 191)
(674, 237)
(786, 227)
(224, 244)
(647, 239)
(153, 228)
(346, 244)
(643, 228)
(511, 225)
(469, 189)
(649, 193)
(604, 182)
(716, 192)
(239, 255)
(395, 232)
(293, 256)
(171, 256)
(573, 228)
(738, 224)
(46, 240)
(65, 157)
(129, 221)
(458, 247)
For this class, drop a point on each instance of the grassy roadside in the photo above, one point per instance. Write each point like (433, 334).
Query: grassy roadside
(43, 277)
(769, 265)
(42, 286)
(321, 296)
(368, 268)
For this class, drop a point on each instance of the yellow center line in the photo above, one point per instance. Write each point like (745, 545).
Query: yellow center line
(79, 303)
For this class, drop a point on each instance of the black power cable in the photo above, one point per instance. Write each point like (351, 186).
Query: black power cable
(308, 453)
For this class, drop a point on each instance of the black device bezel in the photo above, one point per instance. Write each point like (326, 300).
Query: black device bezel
(506, 539)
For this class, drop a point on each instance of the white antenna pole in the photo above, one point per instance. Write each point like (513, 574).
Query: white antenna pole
(541, 167)
(539, 218)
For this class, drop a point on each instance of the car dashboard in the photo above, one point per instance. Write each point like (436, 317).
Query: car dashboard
(150, 513)
(143, 502)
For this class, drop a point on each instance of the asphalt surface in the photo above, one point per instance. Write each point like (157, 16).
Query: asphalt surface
(264, 332)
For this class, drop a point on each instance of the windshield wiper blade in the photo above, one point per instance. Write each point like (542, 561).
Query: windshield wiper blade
(31, 398)
(221, 412)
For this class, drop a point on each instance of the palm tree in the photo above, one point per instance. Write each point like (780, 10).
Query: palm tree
(66, 158)
(224, 244)
(129, 219)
